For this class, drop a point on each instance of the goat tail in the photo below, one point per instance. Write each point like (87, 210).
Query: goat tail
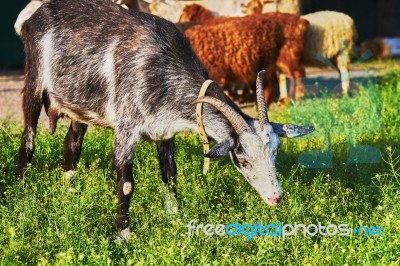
(25, 14)
(31, 61)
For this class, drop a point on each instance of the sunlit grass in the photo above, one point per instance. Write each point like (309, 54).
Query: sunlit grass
(47, 219)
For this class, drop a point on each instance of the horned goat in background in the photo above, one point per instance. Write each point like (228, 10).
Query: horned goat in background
(137, 74)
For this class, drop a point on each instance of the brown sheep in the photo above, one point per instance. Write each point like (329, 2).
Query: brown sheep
(294, 30)
(198, 14)
(234, 51)
(289, 59)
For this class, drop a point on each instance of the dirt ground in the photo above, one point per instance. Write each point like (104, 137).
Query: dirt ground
(11, 84)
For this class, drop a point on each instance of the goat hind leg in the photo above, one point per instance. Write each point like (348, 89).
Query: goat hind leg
(73, 146)
(32, 105)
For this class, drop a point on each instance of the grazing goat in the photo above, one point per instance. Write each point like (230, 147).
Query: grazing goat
(289, 57)
(137, 74)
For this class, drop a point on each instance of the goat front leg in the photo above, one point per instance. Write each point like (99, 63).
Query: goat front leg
(73, 146)
(124, 144)
(32, 105)
(165, 151)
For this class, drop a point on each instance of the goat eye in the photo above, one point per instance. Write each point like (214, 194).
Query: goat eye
(244, 163)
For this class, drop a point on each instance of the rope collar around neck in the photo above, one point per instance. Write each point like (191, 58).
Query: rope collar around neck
(200, 125)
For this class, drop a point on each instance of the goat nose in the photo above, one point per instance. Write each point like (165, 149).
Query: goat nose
(274, 200)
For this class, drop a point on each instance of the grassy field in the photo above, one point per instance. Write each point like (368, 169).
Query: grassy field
(347, 172)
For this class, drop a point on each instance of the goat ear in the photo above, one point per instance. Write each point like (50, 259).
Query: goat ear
(220, 149)
(291, 131)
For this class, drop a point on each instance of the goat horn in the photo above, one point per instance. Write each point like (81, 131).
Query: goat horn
(237, 121)
(262, 109)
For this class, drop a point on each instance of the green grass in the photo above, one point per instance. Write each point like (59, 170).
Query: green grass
(47, 219)
(384, 65)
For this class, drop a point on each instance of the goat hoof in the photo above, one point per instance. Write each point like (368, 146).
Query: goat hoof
(171, 204)
(69, 174)
(123, 235)
(171, 209)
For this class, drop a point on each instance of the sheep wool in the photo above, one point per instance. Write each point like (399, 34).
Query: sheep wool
(332, 35)
(294, 30)
(234, 51)
(329, 32)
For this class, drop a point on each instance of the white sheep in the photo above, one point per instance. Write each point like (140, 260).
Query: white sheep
(330, 38)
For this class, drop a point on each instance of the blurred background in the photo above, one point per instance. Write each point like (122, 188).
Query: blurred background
(372, 18)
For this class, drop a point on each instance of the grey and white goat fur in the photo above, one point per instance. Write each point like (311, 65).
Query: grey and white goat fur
(100, 64)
